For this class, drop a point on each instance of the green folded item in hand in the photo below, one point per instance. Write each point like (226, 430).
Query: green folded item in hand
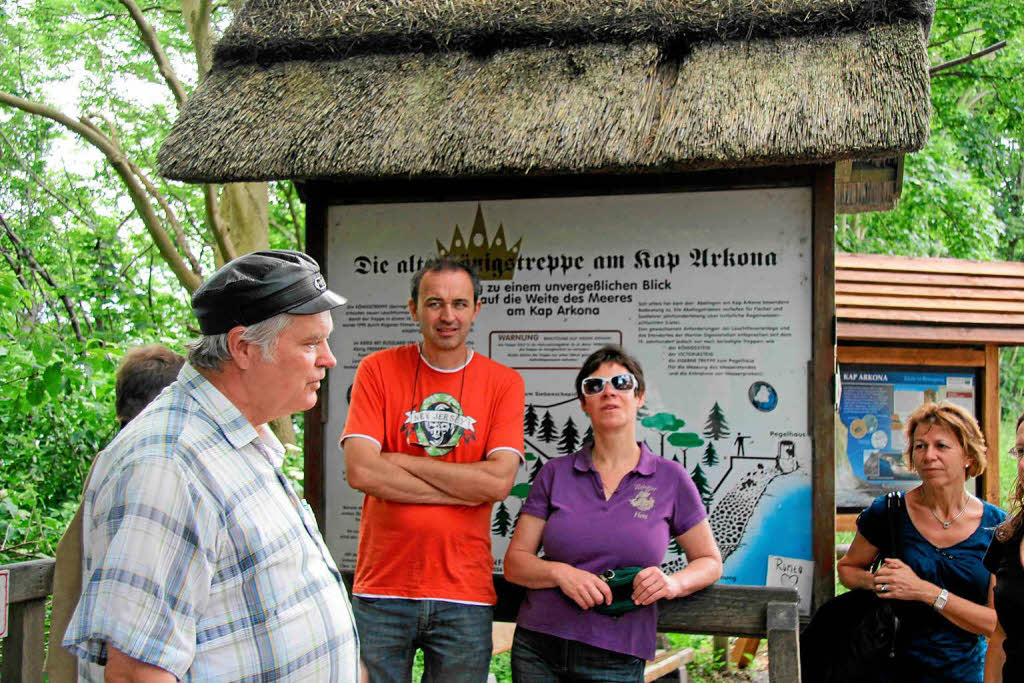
(621, 582)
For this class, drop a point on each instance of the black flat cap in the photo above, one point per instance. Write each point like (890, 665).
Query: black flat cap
(258, 286)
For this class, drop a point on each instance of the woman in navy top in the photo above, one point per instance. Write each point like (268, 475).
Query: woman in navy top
(940, 582)
(611, 505)
(1005, 660)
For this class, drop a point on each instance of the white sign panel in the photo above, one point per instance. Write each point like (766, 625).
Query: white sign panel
(5, 577)
(789, 572)
(710, 290)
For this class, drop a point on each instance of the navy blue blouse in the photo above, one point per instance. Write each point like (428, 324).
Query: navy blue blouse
(938, 650)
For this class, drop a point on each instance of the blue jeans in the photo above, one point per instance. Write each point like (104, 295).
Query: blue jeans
(455, 639)
(540, 658)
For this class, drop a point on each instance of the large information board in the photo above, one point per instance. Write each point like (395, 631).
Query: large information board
(874, 404)
(710, 290)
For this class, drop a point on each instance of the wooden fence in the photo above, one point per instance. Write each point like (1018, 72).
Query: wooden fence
(720, 610)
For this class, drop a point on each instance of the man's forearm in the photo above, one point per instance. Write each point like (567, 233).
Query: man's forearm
(486, 481)
(375, 476)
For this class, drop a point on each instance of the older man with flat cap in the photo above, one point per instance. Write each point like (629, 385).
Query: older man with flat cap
(199, 561)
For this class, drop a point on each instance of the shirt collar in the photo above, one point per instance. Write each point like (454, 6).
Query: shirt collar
(583, 462)
(236, 428)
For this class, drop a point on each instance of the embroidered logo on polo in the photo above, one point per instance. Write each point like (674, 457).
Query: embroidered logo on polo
(642, 501)
(438, 425)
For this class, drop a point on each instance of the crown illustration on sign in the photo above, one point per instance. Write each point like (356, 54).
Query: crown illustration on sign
(493, 260)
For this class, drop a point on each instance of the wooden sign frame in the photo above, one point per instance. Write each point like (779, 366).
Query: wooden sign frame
(320, 196)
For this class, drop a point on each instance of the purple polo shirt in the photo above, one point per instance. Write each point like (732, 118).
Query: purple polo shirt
(653, 503)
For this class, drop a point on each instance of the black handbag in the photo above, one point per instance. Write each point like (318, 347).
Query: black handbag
(621, 582)
(853, 637)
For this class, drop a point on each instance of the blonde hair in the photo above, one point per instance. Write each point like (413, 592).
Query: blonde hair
(957, 420)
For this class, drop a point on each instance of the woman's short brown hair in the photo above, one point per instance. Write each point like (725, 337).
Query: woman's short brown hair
(957, 420)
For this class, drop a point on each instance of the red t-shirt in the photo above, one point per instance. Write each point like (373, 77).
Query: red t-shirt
(431, 551)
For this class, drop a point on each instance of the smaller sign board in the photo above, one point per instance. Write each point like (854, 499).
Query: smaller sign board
(790, 572)
(5, 579)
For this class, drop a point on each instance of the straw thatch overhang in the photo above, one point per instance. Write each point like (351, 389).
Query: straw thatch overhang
(355, 90)
(929, 300)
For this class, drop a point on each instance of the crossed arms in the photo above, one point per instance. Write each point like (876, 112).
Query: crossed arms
(402, 478)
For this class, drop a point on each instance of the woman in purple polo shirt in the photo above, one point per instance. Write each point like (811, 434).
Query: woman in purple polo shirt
(613, 504)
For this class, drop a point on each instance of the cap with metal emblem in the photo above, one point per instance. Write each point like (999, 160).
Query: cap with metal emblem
(258, 286)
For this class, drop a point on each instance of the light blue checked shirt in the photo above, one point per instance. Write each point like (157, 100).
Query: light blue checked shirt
(199, 558)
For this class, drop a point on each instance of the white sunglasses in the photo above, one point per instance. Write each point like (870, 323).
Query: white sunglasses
(592, 386)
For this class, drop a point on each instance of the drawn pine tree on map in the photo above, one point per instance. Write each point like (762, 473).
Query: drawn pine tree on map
(716, 427)
(530, 420)
(548, 430)
(588, 435)
(701, 482)
(570, 438)
(675, 549)
(502, 521)
(534, 469)
(710, 455)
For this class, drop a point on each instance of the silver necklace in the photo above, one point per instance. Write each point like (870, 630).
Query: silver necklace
(946, 525)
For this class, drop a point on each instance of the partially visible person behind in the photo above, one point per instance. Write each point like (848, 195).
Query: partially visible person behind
(142, 375)
(612, 505)
(200, 562)
(941, 585)
(1005, 559)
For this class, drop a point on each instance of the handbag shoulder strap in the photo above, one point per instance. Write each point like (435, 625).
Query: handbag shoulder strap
(893, 506)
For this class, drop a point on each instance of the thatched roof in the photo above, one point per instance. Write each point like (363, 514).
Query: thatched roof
(391, 88)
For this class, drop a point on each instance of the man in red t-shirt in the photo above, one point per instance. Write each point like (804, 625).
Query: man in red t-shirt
(434, 437)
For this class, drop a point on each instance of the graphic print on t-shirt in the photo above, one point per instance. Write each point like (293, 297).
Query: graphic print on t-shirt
(438, 425)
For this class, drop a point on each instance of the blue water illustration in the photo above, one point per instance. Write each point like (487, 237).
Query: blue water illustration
(780, 526)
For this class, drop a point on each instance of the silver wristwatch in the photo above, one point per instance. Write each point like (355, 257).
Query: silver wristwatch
(940, 602)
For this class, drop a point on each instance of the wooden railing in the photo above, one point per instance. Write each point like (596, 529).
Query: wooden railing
(25, 645)
(748, 611)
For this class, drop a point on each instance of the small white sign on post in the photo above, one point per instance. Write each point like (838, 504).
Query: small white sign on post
(788, 572)
(5, 577)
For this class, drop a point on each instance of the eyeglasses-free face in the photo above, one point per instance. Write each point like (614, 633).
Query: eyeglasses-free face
(1017, 452)
(594, 385)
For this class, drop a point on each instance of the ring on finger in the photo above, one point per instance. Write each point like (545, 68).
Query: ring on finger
(883, 588)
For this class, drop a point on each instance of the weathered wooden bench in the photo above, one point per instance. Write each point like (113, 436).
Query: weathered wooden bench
(720, 610)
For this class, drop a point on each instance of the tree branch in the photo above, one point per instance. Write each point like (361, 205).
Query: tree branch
(967, 58)
(188, 279)
(39, 181)
(179, 234)
(24, 253)
(152, 43)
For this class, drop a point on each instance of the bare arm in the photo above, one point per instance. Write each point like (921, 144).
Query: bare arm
(487, 481)
(703, 568)
(853, 567)
(124, 669)
(903, 584)
(369, 471)
(996, 656)
(523, 567)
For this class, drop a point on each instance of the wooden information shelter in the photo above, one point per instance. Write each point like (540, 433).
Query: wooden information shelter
(932, 312)
(434, 101)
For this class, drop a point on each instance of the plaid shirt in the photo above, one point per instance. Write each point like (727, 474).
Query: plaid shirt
(199, 558)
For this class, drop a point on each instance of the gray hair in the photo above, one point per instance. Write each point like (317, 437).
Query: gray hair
(211, 351)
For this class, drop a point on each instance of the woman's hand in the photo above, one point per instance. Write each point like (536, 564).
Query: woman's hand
(897, 581)
(652, 584)
(582, 587)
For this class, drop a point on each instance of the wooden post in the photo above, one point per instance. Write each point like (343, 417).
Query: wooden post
(24, 647)
(783, 642)
(990, 413)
